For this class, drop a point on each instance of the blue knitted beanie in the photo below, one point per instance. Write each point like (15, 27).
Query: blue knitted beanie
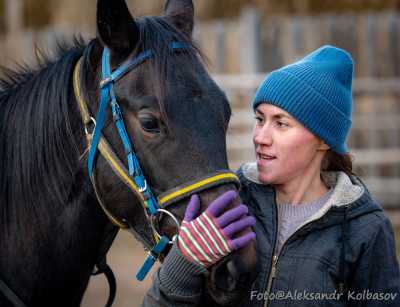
(317, 92)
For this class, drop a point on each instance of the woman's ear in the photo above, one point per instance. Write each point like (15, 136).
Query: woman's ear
(323, 146)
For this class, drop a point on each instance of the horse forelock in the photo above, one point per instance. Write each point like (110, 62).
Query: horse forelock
(156, 34)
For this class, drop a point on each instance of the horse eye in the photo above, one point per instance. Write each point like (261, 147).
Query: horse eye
(149, 123)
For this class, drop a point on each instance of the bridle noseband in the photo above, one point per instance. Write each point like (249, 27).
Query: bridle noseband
(133, 176)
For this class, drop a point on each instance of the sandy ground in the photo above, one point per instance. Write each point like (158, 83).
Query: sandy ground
(125, 258)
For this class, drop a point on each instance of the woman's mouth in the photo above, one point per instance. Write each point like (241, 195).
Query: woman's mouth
(264, 157)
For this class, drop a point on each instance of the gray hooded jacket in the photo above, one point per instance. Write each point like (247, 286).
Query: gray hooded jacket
(343, 255)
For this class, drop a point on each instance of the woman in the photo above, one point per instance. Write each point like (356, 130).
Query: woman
(322, 239)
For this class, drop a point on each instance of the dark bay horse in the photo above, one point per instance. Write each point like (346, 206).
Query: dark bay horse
(52, 228)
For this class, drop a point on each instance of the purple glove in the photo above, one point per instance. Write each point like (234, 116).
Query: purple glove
(209, 237)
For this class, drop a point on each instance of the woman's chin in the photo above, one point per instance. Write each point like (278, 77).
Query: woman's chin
(263, 177)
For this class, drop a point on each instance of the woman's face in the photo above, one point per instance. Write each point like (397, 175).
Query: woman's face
(285, 149)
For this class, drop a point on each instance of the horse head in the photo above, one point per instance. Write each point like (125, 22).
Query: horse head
(176, 119)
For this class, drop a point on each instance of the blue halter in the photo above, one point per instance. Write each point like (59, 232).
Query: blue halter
(107, 95)
(133, 177)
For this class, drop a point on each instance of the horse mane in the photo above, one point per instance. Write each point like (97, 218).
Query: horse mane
(37, 145)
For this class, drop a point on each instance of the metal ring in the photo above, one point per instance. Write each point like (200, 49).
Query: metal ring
(152, 218)
(93, 121)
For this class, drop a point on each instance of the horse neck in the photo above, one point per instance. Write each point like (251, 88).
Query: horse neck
(50, 257)
(57, 266)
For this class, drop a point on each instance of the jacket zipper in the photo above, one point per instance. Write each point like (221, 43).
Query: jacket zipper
(271, 277)
(272, 273)
(275, 258)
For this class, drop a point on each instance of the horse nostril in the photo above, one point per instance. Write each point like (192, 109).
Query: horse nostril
(230, 277)
(225, 276)
(237, 275)
(233, 272)
(230, 280)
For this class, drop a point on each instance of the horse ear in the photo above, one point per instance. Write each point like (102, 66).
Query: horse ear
(116, 28)
(181, 12)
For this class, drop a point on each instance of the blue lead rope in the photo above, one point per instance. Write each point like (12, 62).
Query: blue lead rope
(151, 258)
(107, 95)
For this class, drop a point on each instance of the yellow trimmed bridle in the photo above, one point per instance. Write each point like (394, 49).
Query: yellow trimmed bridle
(163, 201)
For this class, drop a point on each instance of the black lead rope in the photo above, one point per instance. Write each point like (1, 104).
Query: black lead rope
(10, 295)
(104, 268)
(101, 264)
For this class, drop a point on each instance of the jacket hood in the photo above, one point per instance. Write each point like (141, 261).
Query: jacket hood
(349, 194)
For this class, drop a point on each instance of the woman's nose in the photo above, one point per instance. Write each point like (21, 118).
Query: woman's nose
(262, 135)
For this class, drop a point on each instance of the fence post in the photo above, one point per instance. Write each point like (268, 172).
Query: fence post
(250, 41)
(221, 50)
(14, 15)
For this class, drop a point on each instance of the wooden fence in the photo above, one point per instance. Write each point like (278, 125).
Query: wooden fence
(374, 139)
(253, 44)
(249, 44)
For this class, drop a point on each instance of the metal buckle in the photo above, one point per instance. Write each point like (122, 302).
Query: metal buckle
(93, 121)
(152, 223)
(151, 254)
(105, 81)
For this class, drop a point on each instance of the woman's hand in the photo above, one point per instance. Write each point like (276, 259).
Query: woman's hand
(208, 238)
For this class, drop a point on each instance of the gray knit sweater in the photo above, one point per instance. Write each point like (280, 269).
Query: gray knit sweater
(290, 217)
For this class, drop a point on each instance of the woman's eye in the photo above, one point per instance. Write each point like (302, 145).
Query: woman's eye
(258, 119)
(149, 124)
(281, 124)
